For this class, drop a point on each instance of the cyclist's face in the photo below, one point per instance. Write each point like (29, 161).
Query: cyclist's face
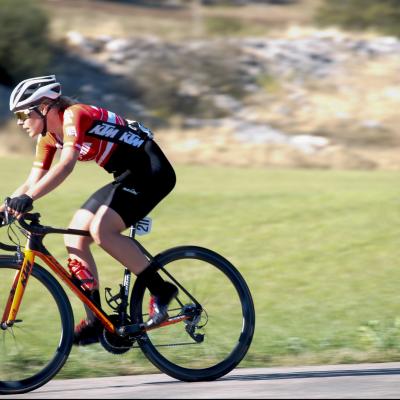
(30, 121)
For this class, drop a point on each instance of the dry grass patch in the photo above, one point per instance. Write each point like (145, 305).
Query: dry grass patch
(92, 18)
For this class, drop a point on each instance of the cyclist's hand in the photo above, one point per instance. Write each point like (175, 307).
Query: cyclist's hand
(20, 204)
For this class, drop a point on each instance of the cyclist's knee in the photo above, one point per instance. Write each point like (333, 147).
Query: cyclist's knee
(95, 234)
(100, 232)
(81, 220)
(105, 225)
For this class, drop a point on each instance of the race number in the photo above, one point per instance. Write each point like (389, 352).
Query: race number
(143, 227)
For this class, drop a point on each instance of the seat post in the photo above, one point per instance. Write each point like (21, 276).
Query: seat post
(127, 273)
(124, 288)
(132, 231)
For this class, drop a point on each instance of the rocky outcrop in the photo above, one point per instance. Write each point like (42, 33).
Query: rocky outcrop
(317, 54)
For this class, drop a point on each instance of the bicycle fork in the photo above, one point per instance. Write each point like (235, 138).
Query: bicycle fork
(17, 290)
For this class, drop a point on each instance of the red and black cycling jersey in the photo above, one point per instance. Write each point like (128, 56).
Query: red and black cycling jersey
(119, 146)
(95, 132)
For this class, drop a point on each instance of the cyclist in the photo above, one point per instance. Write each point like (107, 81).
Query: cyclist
(142, 178)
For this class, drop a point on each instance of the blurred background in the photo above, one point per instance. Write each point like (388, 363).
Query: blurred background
(281, 118)
(308, 83)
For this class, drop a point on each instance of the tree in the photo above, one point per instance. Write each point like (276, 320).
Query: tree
(383, 15)
(24, 44)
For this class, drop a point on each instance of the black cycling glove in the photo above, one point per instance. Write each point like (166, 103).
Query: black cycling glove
(21, 204)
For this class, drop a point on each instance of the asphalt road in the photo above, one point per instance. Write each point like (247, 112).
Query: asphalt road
(376, 381)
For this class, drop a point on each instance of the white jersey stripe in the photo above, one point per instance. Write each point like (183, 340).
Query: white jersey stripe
(111, 117)
(105, 154)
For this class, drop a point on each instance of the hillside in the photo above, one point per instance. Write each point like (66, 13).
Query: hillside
(286, 95)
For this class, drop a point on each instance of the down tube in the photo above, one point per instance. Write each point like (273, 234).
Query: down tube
(61, 272)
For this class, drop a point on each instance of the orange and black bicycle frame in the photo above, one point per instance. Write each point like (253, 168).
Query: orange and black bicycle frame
(35, 248)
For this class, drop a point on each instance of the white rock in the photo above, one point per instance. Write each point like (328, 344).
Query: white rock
(309, 143)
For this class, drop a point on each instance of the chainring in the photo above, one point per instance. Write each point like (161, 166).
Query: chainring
(112, 342)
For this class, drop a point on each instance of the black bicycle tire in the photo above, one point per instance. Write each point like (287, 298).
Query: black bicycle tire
(237, 354)
(65, 345)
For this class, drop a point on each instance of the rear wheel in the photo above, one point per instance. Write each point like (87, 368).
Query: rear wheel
(222, 319)
(34, 349)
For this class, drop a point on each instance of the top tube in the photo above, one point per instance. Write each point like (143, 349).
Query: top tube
(35, 227)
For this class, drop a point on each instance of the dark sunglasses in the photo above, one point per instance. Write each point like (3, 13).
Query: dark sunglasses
(24, 114)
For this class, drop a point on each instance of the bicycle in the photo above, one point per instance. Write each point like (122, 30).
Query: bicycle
(208, 332)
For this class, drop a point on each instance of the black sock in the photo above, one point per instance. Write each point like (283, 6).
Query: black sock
(95, 295)
(153, 280)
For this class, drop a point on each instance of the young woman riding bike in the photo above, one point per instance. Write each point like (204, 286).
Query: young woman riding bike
(126, 149)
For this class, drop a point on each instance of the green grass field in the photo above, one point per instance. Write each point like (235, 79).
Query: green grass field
(319, 250)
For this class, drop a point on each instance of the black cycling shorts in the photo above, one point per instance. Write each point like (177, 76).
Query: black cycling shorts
(137, 189)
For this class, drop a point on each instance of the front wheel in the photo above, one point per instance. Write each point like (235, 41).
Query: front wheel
(219, 332)
(34, 349)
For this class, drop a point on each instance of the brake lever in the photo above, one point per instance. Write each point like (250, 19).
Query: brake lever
(8, 218)
(6, 214)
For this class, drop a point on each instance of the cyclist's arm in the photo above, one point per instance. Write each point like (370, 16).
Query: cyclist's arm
(56, 175)
(35, 175)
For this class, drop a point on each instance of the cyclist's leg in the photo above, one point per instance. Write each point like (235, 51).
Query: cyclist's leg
(127, 205)
(106, 229)
(127, 202)
(78, 247)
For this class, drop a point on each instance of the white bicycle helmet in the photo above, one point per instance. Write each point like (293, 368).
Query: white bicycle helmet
(31, 92)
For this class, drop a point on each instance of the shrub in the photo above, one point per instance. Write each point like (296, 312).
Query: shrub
(24, 45)
(224, 25)
(383, 15)
(183, 82)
